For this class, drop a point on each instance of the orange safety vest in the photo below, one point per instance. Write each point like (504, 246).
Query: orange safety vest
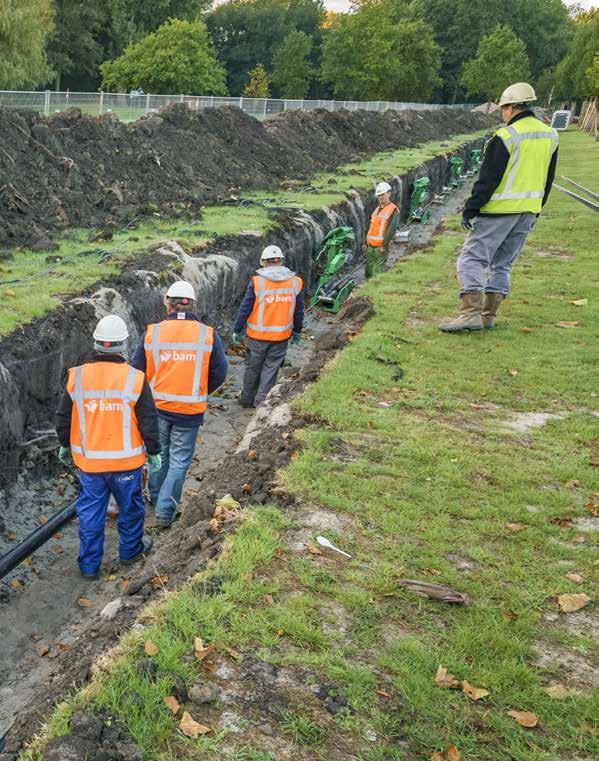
(272, 316)
(177, 362)
(105, 436)
(378, 224)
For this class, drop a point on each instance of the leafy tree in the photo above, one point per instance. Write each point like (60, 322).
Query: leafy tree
(24, 28)
(593, 77)
(501, 60)
(74, 48)
(176, 58)
(572, 74)
(257, 87)
(292, 68)
(381, 52)
(247, 32)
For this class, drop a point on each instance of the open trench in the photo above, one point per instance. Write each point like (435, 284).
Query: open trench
(49, 636)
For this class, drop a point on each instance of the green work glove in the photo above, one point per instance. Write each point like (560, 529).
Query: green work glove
(154, 463)
(64, 455)
(296, 338)
(236, 339)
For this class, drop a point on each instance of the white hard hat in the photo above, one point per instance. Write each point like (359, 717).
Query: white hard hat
(272, 252)
(521, 92)
(111, 329)
(382, 187)
(181, 290)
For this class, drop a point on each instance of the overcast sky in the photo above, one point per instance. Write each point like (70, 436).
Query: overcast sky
(343, 5)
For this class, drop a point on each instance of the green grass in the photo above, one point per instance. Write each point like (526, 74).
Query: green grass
(84, 264)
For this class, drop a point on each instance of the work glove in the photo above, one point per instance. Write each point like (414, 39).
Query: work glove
(236, 339)
(154, 463)
(467, 224)
(64, 455)
(296, 338)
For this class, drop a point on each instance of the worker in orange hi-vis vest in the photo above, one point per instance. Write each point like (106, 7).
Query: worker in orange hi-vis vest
(107, 424)
(184, 360)
(384, 222)
(272, 312)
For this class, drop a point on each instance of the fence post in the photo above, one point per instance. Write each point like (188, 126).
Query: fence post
(285, 105)
(212, 101)
(47, 103)
(302, 106)
(181, 98)
(101, 104)
(241, 103)
(147, 110)
(265, 104)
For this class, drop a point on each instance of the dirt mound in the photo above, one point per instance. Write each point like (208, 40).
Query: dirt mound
(76, 170)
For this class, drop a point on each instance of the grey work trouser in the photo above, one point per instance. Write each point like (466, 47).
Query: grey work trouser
(490, 250)
(263, 362)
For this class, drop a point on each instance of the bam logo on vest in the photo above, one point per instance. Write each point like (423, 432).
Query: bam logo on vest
(102, 406)
(177, 356)
(277, 298)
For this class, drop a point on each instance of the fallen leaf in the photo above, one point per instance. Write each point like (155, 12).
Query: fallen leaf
(451, 753)
(515, 527)
(171, 702)
(191, 728)
(12, 536)
(42, 649)
(202, 651)
(252, 454)
(580, 302)
(432, 571)
(444, 679)
(233, 653)
(280, 632)
(150, 648)
(158, 581)
(524, 718)
(560, 691)
(112, 577)
(593, 508)
(41, 519)
(383, 694)
(570, 603)
(313, 549)
(474, 693)
(576, 577)
(246, 488)
(573, 483)
(562, 522)
(269, 599)
(508, 615)
(567, 324)
(16, 584)
(58, 535)
(214, 526)
(525, 330)
(580, 539)
(36, 637)
(512, 371)
(294, 455)
(10, 294)
(58, 549)
(83, 602)
(123, 584)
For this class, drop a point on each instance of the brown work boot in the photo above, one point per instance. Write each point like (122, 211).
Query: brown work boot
(491, 304)
(470, 317)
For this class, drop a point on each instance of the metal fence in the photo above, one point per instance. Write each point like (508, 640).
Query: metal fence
(130, 106)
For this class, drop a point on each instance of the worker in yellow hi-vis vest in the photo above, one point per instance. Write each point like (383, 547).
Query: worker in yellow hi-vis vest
(512, 188)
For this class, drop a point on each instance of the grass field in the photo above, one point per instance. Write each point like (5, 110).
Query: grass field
(426, 478)
(83, 263)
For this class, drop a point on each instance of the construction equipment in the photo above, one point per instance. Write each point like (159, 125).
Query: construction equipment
(476, 159)
(456, 178)
(419, 209)
(333, 287)
(581, 199)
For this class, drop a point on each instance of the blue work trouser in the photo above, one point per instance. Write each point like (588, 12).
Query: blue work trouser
(96, 488)
(177, 447)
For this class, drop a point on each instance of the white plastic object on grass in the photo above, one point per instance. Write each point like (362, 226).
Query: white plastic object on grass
(324, 542)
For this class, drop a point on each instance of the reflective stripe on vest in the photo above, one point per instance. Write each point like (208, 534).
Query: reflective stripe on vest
(522, 188)
(379, 220)
(264, 289)
(127, 396)
(194, 383)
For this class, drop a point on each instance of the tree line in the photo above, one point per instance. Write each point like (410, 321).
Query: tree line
(411, 50)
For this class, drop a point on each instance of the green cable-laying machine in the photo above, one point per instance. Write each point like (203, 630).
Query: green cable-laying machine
(331, 259)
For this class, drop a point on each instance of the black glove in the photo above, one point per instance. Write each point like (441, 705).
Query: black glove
(467, 223)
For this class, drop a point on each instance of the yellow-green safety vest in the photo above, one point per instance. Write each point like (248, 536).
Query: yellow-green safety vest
(531, 144)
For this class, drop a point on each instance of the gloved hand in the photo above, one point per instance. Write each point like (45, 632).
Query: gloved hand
(236, 339)
(296, 338)
(154, 463)
(467, 224)
(64, 455)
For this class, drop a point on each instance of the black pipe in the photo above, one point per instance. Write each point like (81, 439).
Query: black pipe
(35, 540)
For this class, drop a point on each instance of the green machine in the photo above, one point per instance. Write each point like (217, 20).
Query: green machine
(334, 254)
(419, 209)
(476, 159)
(456, 178)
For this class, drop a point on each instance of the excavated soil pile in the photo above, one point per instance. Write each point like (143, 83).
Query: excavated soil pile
(76, 170)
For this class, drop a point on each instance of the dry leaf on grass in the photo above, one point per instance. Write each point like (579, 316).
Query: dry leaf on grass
(567, 324)
(233, 653)
(41, 519)
(383, 694)
(158, 581)
(560, 691)
(83, 602)
(451, 753)
(58, 549)
(515, 527)
(573, 483)
(252, 454)
(202, 651)
(508, 615)
(192, 728)
(513, 372)
(580, 302)
(593, 508)
(171, 702)
(474, 693)
(570, 603)
(525, 330)
(269, 599)
(444, 679)
(580, 539)
(562, 522)
(313, 549)
(150, 648)
(575, 577)
(524, 718)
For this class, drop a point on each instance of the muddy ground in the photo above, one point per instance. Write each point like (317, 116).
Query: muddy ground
(49, 639)
(73, 170)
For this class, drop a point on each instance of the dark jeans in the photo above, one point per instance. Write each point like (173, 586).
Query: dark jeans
(263, 362)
